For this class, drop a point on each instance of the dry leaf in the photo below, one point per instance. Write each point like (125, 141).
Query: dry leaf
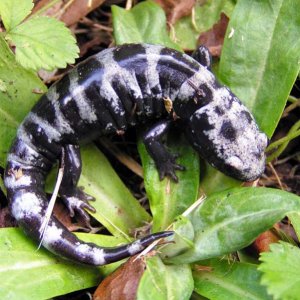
(123, 283)
(213, 39)
(69, 12)
(176, 9)
(63, 215)
(263, 241)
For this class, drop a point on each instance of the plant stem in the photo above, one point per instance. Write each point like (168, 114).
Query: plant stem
(283, 142)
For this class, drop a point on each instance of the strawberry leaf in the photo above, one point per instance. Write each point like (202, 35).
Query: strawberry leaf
(43, 42)
(13, 12)
(281, 271)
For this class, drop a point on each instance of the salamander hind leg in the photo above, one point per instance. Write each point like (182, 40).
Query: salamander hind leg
(74, 198)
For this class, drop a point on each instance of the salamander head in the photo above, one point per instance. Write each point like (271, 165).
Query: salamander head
(227, 136)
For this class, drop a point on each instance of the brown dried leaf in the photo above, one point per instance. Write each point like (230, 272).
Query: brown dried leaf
(213, 39)
(123, 283)
(263, 241)
(63, 215)
(69, 12)
(175, 9)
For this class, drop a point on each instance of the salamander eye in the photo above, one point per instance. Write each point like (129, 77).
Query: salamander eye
(246, 115)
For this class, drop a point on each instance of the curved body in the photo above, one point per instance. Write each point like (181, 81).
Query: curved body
(104, 95)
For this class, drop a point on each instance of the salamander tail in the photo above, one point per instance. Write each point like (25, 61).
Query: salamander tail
(28, 201)
(115, 254)
(59, 240)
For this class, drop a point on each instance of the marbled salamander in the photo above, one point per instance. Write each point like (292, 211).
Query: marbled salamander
(118, 88)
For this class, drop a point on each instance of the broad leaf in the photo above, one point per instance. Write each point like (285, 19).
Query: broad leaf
(116, 207)
(167, 198)
(260, 57)
(19, 90)
(162, 282)
(281, 271)
(214, 181)
(26, 273)
(13, 12)
(144, 23)
(43, 42)
(222, 279)
(230, 220)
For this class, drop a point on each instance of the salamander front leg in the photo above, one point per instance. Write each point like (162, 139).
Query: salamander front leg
(75, 199)
(165, 161)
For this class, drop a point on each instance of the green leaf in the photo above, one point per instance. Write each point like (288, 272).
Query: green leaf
(187, 31)
(2, 187)
(182, 240)
(144, 23)
(260, 57)
(228, 280)
(17, 96)
(167, 198)
(14, 12)
(214, 181)
(231, 220)
(162, 282)
(43, 42)
(281, 271)
(116, 208)
(26, 273)
(295, 220)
